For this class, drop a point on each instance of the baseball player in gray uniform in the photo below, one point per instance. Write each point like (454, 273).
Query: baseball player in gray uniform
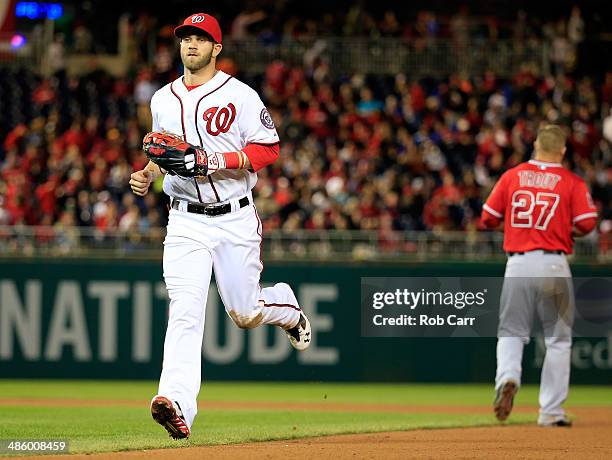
(543, 206)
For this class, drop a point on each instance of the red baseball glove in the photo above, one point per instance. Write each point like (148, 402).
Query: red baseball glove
(172, 153)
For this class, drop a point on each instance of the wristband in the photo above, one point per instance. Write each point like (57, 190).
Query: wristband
(234, 160)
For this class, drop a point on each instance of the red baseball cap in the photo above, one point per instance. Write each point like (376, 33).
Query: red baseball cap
(203, 22)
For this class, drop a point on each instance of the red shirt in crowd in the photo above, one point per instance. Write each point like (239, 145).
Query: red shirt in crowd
(540, 204)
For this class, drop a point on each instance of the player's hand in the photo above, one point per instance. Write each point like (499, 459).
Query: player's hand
(140, 181)
(577, 233)
(171, 153)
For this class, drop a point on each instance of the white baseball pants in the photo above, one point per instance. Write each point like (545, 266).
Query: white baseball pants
(194, 246)
(537, 283)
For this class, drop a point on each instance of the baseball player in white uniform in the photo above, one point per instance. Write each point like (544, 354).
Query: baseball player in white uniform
(213, 223)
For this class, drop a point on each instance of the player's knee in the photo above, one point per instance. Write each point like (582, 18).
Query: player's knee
(249, 321)
(505, 333)
(559, 343)
(186, 306)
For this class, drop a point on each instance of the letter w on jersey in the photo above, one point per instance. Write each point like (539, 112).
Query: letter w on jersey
(219, 120)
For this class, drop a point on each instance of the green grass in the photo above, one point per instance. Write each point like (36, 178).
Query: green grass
(446, 394)
(112, 428)
(123, 427)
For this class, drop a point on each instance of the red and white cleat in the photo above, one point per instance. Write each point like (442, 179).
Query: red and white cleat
(169, 415)
(504, 400)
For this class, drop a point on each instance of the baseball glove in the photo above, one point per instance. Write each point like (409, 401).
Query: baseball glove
(171, 153)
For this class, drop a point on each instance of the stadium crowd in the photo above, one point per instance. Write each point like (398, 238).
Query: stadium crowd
(272, 22)
(357, 151)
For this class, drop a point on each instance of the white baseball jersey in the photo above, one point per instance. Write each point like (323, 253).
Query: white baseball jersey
(222, 115)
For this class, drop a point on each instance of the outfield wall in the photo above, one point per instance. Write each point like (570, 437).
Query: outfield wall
(106, 320)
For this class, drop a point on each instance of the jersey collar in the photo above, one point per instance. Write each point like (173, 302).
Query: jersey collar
(211, 84)
(545, 163)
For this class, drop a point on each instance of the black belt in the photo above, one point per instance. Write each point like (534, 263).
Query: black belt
(543, 250)
(211, 210)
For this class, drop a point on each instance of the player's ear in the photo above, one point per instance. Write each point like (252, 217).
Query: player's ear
(563, 151)
(217, 47)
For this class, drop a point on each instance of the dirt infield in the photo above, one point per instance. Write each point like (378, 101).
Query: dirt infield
(590, 437)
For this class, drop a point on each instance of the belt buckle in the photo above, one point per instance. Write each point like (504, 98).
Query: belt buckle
(214, 210)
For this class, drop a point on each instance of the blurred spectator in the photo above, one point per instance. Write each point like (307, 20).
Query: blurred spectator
(55, 56)
(164, 61)
(562, 52)
(459, 27)
(144, 89)
(390, 26)
(82, 39)
(575, 26)
(144, 35)
(242, 22)
(607, 127)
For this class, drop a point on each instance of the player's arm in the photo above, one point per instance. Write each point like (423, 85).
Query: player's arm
(584, 227)
(155, 170)
(252, 156)
(495, 206)
(179, 157)
(584, 211)
(141, 180)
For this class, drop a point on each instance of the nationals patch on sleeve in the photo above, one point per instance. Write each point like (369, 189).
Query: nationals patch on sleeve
(266, 119)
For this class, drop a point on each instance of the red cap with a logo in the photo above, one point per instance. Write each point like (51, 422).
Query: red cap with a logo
(203, 22)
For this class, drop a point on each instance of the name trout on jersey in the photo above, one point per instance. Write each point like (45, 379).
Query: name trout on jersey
(537, 179)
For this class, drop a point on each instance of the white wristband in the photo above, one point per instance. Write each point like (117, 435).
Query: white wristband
(216, 161)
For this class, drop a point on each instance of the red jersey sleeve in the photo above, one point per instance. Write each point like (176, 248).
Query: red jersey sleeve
(496, 203)
(582, 206)
(261, 155)
(586, 226)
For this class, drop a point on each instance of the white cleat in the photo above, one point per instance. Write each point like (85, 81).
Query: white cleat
(299, 335)
(548, 420)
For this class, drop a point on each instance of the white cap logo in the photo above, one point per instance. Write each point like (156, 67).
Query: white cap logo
(197, 19)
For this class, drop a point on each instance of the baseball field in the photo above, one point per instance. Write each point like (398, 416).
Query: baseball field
(276, 420)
